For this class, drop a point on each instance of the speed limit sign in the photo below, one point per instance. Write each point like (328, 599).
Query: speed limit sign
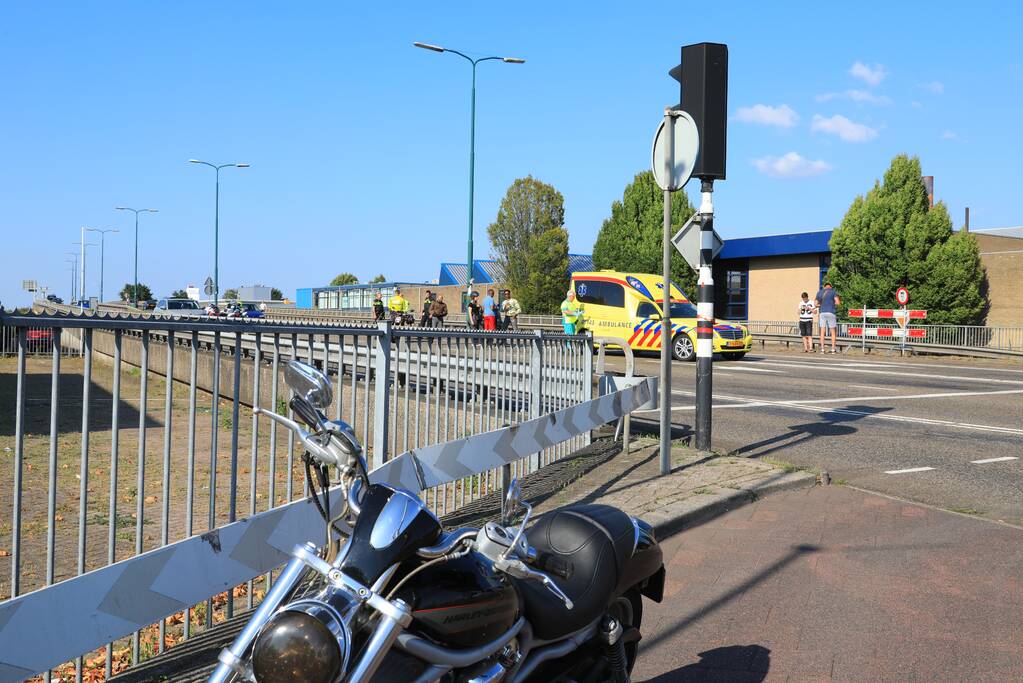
(902, 296)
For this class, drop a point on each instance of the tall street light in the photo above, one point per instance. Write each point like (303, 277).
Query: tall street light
(82, 244)
(74, 272)
(102, 250)
(135, 291)
(216, 224)
(472, 136)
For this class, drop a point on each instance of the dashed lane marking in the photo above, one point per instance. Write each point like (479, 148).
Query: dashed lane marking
(908, 470)
(887, 373)
(987, 460)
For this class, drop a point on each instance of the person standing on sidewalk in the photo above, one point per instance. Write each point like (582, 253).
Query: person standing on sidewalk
(489, 311)
(827, 301)
(511, 309)
(571, 312)
(475, 312)
(427, 303)
(806, 311)
(438, 311)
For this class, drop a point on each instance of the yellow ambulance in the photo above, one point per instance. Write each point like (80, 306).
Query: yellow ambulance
(628, 305)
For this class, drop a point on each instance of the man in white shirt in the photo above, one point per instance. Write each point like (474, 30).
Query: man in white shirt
(806, 311)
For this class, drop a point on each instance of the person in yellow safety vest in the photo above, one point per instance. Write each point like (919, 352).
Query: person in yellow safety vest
(571, 312)
(398, 303)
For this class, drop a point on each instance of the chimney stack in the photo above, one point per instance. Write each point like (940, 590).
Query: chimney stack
(929, 186)
(966, 225)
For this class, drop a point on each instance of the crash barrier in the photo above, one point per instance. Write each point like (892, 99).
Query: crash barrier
(110, 460)
(973, 340)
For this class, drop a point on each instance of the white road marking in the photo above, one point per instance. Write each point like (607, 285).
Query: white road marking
(987, 460)
(746, 368)
(804, 405)
(850, 399)
(870, 386)
(888, 373)
(947, 366)
(908, 470)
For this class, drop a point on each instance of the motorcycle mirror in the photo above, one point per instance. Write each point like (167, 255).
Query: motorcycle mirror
(512, 503)
(309, 383)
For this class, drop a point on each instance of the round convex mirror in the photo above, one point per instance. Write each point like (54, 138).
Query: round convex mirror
(309, 383)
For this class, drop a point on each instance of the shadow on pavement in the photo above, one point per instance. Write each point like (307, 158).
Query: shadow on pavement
(831, 424)
(794, 553)
(732, 663)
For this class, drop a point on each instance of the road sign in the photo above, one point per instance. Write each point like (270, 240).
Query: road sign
(29, 285)
(902, 296)
(687, 242)
(686, 147)
(208, 286)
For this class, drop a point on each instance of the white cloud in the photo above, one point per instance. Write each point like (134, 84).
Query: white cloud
(871, 75)
(855, 96)
(935, 87)
(782, 116)
(948, 135)
(842, 127)
(791, 165)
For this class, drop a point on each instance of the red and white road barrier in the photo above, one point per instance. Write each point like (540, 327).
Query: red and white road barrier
(886, 313)
(885, 332)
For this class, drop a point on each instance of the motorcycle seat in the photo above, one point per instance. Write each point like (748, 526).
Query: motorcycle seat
(585, 549)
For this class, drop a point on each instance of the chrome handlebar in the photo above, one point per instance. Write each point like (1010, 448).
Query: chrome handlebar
(318, 451)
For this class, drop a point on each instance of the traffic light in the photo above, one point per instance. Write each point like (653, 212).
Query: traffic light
(703, 75)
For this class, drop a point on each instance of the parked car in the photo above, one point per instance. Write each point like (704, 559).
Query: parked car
(148, 304)
(252, 311)
(178, 307)
(54, 299)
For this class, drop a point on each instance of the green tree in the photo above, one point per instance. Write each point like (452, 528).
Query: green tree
(531, 214)
(631, 238)
(126, 293)
(179, 294)
(892, 237)
(230, 294)
(547, 265)
(276, 294)
(344, 279)
(377, 279)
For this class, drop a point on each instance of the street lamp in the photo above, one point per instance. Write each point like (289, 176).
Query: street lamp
(74, 272)
(102, 249)
(82, 244)
(135, 291)
(216, 224)
(472, 136)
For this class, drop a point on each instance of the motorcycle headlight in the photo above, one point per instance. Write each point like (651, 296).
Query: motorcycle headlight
(306, 641)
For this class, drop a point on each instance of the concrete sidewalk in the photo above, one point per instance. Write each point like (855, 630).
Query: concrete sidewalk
(699, 487)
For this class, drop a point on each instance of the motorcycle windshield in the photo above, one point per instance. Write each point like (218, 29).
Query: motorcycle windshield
(392, 525)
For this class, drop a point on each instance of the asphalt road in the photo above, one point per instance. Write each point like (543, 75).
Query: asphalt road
(864, 419)
(834, 584)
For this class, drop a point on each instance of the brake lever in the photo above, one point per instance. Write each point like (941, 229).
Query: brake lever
(519, 570)
(316, 450)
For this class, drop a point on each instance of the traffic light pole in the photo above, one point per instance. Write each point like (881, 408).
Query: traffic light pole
(705, 318)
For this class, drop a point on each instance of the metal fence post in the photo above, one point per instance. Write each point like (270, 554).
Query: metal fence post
(536, 388)
(587, 393)
(382, 371)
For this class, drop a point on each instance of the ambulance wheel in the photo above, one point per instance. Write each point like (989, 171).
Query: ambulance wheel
(682, 347)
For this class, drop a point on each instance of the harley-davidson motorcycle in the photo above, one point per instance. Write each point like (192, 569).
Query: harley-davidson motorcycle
(396, 597)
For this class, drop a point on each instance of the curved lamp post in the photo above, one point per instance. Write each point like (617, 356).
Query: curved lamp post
(135, 291)
(472, 137)
(216, 224)
(102, 249)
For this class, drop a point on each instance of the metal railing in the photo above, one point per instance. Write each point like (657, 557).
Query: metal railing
(128, 434)
(979, 337)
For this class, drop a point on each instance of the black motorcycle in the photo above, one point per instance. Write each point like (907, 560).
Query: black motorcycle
(399, 598)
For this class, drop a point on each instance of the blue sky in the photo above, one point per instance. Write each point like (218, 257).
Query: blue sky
(359, 142)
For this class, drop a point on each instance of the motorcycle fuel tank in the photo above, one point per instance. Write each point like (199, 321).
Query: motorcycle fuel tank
(462, 603)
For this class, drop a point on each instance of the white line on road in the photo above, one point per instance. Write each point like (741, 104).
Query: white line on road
(887, 373)
(987, 460)
(850, 399)
(804, 405)
(871, 386)
(908, 470)
(746, 368)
